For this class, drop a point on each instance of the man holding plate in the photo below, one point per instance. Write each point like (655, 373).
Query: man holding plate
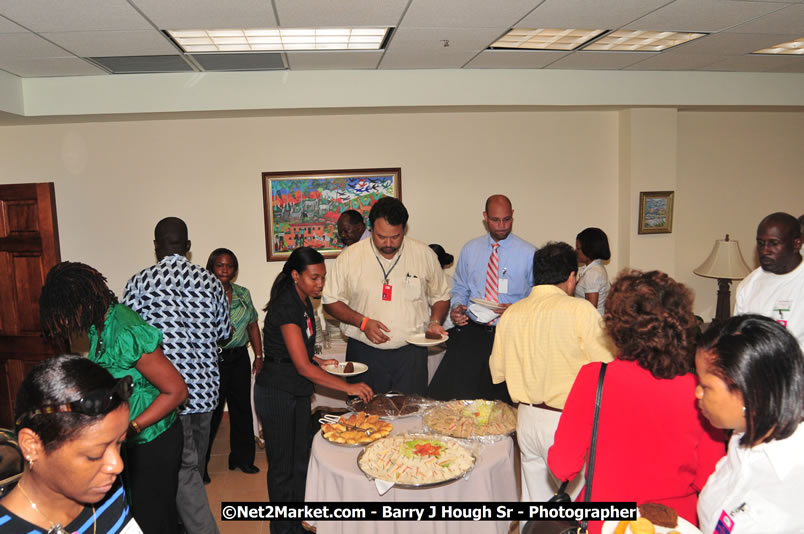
(494, 271)
(385, 291)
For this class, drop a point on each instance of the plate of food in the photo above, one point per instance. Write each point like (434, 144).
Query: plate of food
(493, 306)
(426, 339)
(346, 368)
(471, 419)
(654, 518)
(416, 460)
(389, 405)
(355, 430)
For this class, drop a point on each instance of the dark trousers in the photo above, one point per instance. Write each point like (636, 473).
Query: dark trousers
(235, 369)
(152, 478)
(464, 371)
(286, 420)
(403, 370)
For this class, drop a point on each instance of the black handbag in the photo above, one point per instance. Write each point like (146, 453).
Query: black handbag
(570, 526)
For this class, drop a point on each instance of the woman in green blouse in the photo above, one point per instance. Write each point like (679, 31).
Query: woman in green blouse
(75, 300)
(235, 365)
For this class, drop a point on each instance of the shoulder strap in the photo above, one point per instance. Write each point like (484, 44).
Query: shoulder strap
(590, 471)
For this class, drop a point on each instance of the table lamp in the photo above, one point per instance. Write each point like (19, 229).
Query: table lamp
(725, 263)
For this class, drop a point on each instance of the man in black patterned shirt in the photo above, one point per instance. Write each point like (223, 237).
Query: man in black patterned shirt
(188, 304)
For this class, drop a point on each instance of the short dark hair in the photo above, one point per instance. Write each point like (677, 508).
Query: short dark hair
(171, 230)
(554, 263)
(391, 209)
(594, 244)
(213, 257)
(61, 380)
(649, 318)
(354, 217)
(790, 224)
(760, 358)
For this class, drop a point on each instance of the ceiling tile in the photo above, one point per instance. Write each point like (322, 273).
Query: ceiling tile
(424, 60)
(668, 61)
(588, 14)
(432, 39)
(751, 63)
(334, 60)
(51, 66)
(515, 59)
(702, 15)
(113, 43)
(732, 44)
(582, 60)
(6, 26)
(73, 15)
(240, 62)
(143, 64)
(339, 13)
(787, 20)
(206, 14)
(466, 13)
(28, 45)
(796, 66)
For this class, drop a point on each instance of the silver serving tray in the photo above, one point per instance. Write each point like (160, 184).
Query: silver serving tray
(476, 437)
(424, 485)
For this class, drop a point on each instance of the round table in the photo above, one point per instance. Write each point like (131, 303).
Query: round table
(333, 476)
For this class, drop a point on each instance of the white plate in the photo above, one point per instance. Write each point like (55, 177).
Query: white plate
(421, 341)
(684, 526)
(338, 369)
(493, 306)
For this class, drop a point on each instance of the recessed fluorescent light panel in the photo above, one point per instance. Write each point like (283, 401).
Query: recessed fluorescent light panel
(641, 41)
(545, 38)
(793, 47)
(282, 39)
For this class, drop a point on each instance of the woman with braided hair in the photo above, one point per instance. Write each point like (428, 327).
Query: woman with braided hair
(285, 382)
(75, 300)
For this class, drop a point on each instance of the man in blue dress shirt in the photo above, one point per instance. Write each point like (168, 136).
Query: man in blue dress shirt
(505, 277)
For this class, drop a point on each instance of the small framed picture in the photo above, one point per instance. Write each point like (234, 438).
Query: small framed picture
(656, 212)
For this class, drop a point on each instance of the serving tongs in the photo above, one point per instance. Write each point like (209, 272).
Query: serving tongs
(336, 420)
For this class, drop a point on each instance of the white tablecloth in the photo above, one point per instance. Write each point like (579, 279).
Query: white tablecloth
(333, 476)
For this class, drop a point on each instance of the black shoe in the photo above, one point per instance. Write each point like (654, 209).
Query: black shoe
(207, 480)
(247, 469)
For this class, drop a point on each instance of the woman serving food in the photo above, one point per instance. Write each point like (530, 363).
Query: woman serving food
(285, 383)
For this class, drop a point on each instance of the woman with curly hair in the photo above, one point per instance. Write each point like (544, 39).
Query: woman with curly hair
(653, 445)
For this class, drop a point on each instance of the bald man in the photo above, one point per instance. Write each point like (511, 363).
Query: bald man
(496, 267)
(188, 304)
(776, 288)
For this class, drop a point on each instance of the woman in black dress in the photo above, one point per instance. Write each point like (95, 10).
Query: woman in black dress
(285, 382)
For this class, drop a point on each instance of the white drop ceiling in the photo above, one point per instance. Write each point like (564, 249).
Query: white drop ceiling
(56, 38)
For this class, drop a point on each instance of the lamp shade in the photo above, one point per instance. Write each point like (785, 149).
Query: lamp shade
(725, 261)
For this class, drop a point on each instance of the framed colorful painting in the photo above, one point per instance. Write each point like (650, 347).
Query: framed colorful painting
(302, 208)
(656, 212)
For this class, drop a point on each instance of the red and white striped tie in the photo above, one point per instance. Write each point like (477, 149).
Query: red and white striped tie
(491, 275)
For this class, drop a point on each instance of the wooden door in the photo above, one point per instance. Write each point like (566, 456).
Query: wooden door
(29, 247)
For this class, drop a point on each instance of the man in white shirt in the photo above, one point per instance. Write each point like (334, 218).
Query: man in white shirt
(776, 288)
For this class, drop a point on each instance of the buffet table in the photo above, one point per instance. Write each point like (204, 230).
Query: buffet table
(333, 476)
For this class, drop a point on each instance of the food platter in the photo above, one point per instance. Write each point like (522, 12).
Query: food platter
(421, 341)
(338, 369)
(355, 430)
(416, 460)
(493, 306)
(390, 405)
(471, 419)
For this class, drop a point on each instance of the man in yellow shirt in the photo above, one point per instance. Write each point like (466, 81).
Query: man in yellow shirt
(383, 290)
(541, 343)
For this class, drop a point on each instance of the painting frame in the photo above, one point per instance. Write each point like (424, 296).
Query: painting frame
(656, 212)
(301, 208)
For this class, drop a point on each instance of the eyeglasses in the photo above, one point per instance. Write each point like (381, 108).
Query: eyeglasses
(96, 402)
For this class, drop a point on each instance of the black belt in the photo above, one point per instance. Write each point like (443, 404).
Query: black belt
(485, 326)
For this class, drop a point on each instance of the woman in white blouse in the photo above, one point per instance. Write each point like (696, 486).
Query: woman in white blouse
(593, 281)
(751, 380)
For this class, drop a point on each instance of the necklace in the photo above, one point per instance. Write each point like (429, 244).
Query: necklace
(56, 528)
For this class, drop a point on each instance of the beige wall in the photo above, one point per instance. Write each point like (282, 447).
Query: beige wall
(564, 170)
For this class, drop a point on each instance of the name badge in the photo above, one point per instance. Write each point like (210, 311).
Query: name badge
(725, 524)
(502, 286)
(386, 291)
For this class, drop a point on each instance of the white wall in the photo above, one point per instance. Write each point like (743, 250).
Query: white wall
(564, 171)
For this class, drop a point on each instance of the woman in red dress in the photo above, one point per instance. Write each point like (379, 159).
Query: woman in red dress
(653, 443)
